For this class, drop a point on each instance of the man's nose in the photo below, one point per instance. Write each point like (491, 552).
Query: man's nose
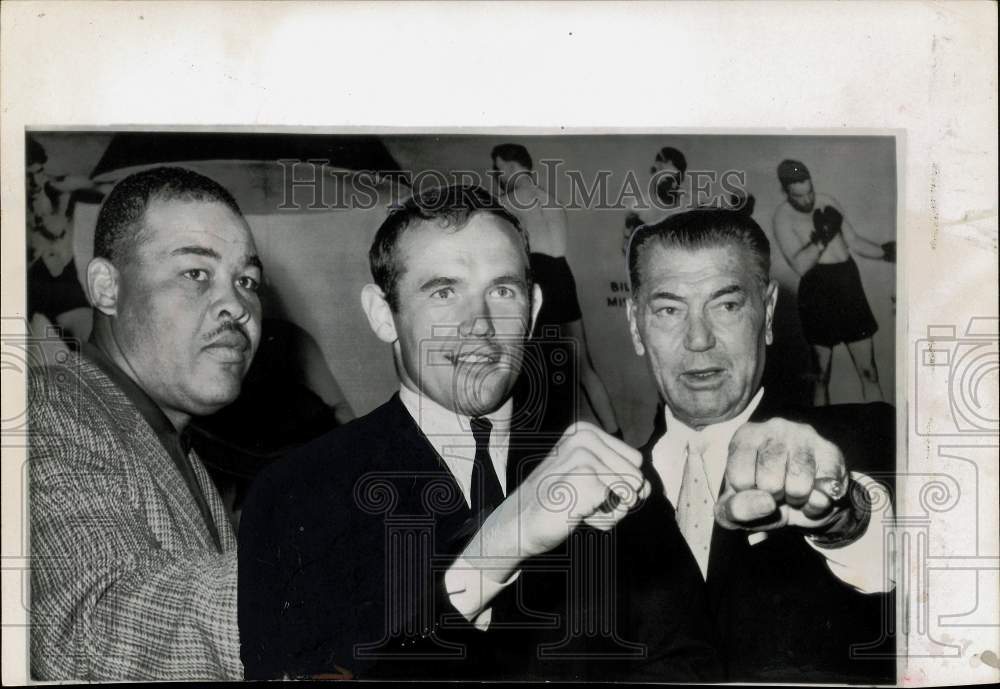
(231, 303)
(699, 336)
(478, 322)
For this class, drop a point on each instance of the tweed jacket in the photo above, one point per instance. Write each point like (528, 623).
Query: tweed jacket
(126, 579)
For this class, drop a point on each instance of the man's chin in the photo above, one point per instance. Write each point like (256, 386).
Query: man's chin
(208, 399)
(481, 402)
(483, 388)
(697, 415)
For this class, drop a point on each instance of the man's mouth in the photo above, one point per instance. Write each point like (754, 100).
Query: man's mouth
(703, 377)
(230, 346)
(480, 355)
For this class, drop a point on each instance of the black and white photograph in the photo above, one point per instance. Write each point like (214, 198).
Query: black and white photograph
(570, 342)
(588, 407)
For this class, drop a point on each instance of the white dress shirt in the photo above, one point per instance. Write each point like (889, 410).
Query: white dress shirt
(859, 564)
(450, 434)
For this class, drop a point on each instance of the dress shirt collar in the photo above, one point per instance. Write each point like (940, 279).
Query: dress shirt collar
(670, 452)
(450, 434)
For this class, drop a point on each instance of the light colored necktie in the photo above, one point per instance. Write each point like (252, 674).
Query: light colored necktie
(696, 506)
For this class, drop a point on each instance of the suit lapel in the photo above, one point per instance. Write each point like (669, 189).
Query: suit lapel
(415, 454)
(170, 483)
(227, 537)
(767, 408)
(649, 472)
(416, 451)
(151, 457)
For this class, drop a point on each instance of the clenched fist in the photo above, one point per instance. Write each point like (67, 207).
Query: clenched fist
(573, 485)
(827, 223)
(780, 473)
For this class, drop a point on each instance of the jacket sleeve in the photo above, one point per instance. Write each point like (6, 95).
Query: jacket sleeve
(315, 595)
(108, 600)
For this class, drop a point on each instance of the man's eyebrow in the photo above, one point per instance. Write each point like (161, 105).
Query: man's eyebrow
(252, 260)
(664, 294)
(729, 289)
(438, 283)
(509, 280)
(196, 251)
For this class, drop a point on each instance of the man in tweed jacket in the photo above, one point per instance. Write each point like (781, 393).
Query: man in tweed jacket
(134, 560)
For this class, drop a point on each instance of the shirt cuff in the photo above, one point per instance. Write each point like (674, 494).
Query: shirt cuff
(867, 564)
(471, 591)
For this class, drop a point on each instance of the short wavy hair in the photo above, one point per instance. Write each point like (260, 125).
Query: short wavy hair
(701, 228)
(120, 221)
(452, 207)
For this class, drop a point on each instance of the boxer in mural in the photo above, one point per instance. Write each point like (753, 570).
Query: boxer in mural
(666, 185)
(560, 320)
(817, 241)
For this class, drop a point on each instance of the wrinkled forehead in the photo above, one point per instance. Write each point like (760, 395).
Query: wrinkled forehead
(693, 270)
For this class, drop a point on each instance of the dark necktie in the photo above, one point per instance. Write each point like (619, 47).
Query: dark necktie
(486, 493)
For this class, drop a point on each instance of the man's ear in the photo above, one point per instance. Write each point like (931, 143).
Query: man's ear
(771, 299)
(379, 313)
(536, 306)
(633, 327)
(103, 282)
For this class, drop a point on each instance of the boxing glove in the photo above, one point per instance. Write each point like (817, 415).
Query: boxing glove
(826, 225)
(668, 191)
(889, 252)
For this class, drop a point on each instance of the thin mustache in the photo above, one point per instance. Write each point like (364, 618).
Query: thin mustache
(228, 325)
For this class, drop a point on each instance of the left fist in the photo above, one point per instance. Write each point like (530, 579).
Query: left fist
(779, 474)
(889, 252)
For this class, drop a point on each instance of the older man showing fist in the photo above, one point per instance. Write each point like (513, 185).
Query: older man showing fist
(775, 505)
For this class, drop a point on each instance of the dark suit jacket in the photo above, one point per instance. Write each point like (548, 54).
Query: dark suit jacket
(343, 550)
(779, 613)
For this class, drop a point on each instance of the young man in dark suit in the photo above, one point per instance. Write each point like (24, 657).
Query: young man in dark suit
(782, 520)
(434, 537)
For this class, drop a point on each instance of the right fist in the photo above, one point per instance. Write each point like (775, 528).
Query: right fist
(826, 223)
(574, 485)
